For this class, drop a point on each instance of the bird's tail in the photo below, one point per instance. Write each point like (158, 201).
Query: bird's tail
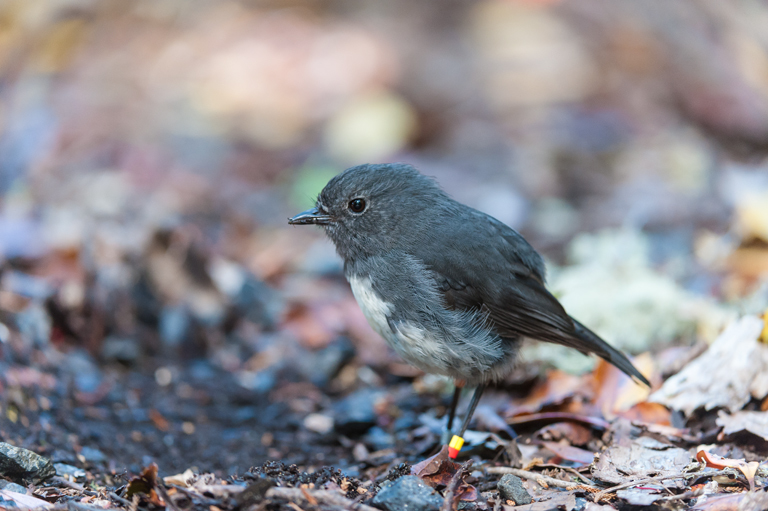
(587, 341)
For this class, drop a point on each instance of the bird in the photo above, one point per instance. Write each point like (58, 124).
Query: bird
(451, 289)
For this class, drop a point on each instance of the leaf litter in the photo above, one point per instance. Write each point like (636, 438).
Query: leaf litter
(166, 343)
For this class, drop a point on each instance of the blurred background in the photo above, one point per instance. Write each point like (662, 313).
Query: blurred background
(151, 151)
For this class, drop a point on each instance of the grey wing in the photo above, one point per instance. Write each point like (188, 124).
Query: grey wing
(482, 264)
(503, 276)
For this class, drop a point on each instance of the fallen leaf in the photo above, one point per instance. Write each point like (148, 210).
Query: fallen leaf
(615, 392)
(570, 453)
(745, 420)
(644, 457)
(439, 469)
(714, 461)
(145, 484)
(575, 434)
(730, 373)
(648, 413)
(23, 501)
(556, 388)
(182, 479)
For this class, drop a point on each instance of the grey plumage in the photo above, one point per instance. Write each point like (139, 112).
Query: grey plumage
(451, 289)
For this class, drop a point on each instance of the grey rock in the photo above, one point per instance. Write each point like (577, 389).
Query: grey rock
(121, 349)
(92, 455)
(355, 414)
(378, 439)
(408, 493)
(323, 365)
(62, 469)
(16, 488)
(511, 488)
(22, 465)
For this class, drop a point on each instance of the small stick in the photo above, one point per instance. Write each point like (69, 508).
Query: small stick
(323, 496)
(72, 485)
(551, 481)
(167, 498)
(602, 494)
(121, 500)
(570, 470)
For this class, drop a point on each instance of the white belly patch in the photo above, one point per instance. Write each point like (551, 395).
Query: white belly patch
(374, 308)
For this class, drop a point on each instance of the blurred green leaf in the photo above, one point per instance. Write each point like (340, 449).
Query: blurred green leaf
(310, 180)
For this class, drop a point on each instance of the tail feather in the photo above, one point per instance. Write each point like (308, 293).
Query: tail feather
(587, 341)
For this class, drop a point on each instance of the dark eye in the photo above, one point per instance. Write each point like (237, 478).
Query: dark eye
(357, 205)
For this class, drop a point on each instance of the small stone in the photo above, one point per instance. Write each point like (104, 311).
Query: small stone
(92, 455)
(23, 465)
(356, 414)
(407, 492)
(62, 469)
(323, 365)
(511, 488)
(318, 423)
(121, 349)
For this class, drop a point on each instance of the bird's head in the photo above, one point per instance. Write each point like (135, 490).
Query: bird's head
(372, 208)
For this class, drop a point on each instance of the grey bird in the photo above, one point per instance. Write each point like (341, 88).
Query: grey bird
(451, 289)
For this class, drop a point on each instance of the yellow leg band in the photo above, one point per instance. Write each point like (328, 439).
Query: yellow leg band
(455, 446)
(764, 334)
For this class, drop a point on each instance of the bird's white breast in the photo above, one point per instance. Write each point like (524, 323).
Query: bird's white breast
(375, 309)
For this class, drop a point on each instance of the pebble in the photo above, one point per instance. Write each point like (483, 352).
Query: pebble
(355, 414)
(121, 349)
(511, 488)
(62, 469)
(93, 455)
(323, 365)
(407, 493)
(318, 423)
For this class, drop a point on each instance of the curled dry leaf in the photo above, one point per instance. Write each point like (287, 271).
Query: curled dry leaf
(439, 470)
(145, 484)
(714, 461)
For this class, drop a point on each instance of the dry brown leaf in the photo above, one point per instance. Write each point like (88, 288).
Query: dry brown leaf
(714, 461)
(556, 388)
(439, 469)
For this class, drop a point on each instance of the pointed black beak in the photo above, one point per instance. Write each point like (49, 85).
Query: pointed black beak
(310, 216)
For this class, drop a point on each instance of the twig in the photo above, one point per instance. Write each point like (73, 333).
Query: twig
(570, 470)
(551, 481)
(72, 485)
(121, 500)
(322, 496)
(167, 498)
(601, 494)
(685, 496)
(453, 486)
(192, 494)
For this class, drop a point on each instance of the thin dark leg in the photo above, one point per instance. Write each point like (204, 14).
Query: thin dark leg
(454, 404)
(472, 405)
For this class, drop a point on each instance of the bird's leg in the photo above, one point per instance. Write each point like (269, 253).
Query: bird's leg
(457, 388)
(472, 406)
(458, 440)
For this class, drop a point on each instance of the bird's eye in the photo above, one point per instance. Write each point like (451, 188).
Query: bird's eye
(357, 205)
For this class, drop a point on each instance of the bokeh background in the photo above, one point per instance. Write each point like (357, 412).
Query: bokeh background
(151, 151)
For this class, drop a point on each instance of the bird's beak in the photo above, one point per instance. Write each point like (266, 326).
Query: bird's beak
(310, 216)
